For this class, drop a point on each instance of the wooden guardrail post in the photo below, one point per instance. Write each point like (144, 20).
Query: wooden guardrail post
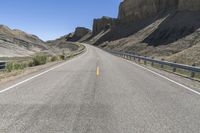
(193, 73)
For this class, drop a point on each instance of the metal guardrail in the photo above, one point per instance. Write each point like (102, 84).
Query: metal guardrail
(2, 65)
(193, 69)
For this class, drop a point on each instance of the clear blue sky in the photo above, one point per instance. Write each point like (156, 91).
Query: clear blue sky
(50, 19)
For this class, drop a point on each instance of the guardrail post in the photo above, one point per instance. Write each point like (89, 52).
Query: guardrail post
(193, 73)
(174, 68)
(152, 63)
(129, 57)
(145, 62)
(138, 59)
(162, 66)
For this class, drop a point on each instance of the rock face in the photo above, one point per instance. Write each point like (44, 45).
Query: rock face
(158, 28)
(103, 24)
(81, 31)
(79, 34)
(132, 10)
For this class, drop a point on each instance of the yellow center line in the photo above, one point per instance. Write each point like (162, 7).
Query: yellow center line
(98, 71)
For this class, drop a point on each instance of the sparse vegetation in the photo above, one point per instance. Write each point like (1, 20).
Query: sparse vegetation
(62, 57)
(39, 60)
(15, 66)
(54, 58)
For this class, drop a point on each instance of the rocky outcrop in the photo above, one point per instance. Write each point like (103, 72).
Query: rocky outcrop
(81, 32)
(79, 35)
(132, 10)
(103, 23)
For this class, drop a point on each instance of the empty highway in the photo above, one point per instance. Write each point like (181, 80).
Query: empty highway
(97, 92)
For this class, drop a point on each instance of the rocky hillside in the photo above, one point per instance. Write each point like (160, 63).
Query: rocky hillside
(79, 35)
(132, 10)
(18, 43)
(160, 28)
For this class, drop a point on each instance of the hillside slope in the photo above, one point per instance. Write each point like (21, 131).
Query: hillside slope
(18, 43)
(164, 29)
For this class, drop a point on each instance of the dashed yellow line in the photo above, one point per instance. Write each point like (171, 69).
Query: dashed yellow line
(98, 71)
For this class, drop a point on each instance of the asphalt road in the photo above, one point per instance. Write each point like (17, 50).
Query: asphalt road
(97, 93)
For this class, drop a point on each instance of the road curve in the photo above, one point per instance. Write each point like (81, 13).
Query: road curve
(97, 93)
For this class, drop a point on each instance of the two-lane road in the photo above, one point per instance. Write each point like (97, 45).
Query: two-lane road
(97, 93)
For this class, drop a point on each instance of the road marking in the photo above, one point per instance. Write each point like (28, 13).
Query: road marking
(98, 71)
(38, 75)
(187, 88)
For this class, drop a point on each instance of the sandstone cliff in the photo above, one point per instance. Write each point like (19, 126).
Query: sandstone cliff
(132, 10)
(79, 35)
(103, 23)
(161, 28)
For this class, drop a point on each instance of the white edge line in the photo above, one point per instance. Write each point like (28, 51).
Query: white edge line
(31, 78)
(187, 88)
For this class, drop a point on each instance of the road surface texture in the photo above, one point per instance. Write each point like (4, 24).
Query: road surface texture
(97, 93)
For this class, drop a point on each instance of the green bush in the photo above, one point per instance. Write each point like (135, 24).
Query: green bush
(39, 60)
(9, 67)
(15, 66)
(62, 57)
(31, 64)
(54, 58)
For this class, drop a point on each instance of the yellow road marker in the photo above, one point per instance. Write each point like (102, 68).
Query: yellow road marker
(98, 71)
